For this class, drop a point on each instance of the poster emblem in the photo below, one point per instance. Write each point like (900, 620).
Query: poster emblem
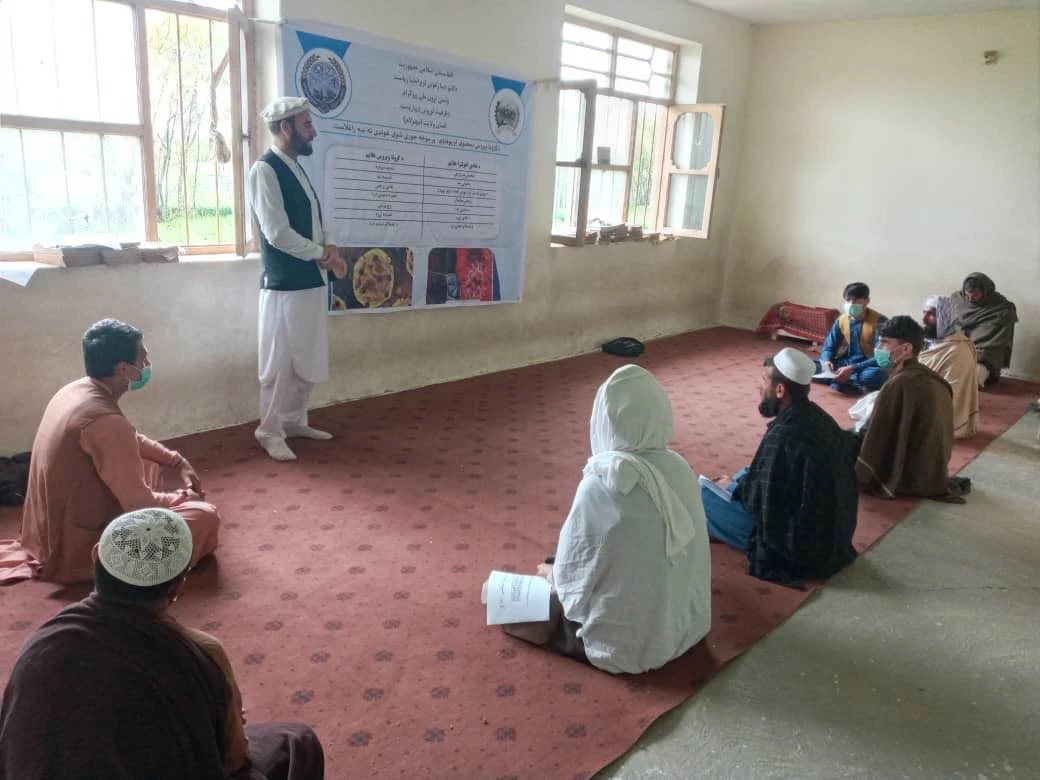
(323, 78)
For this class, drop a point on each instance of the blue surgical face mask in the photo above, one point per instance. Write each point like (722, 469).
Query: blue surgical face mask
(883, 357)
(855, 309)
(146, 374)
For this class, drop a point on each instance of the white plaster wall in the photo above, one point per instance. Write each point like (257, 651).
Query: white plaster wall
(200, 317)
(885, 151)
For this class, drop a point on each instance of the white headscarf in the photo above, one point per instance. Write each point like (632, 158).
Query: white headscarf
(945, 314)
(631, 416)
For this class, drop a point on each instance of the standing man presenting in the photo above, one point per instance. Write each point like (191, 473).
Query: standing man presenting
(293, 328)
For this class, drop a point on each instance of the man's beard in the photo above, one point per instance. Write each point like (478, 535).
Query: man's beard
(931, 332)
(299, 145)
(769, 407)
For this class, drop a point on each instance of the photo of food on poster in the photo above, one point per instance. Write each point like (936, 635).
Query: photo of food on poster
(377, 278)
(421, 164)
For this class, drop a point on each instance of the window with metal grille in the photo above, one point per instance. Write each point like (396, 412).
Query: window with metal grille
(626, 154)
(122, 119)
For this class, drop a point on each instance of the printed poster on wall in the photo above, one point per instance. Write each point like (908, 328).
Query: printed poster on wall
(421, 164)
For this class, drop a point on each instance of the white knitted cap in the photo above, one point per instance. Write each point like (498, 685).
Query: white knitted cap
(146, 547)
(794, 365)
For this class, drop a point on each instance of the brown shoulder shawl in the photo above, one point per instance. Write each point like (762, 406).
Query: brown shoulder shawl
(105, 690)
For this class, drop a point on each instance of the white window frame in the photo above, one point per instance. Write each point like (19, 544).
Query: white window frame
(588, 90)
(710, 171)
(242, 111)
(663, 151)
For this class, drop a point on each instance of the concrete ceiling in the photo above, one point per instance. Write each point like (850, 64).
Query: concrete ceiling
(780, 11)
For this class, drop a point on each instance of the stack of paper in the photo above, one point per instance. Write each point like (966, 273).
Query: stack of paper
(517, 598)
(716, 488)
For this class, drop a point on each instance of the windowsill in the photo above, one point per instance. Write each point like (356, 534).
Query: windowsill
(21, 272)
(28, 261)
(598, 244)
(216, 258)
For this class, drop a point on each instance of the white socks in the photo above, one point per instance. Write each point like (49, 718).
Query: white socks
(277, 449)
(306, 432)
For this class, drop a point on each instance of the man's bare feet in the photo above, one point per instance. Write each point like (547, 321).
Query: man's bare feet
(306, 432)
(277, 449)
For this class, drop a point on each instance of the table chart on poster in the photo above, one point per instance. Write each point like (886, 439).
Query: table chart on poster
(415, 195)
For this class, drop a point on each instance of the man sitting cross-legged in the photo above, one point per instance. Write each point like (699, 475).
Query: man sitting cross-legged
(988, 318)
(848, 350)
(114, 687)
(793, 510)
(89, 464)
(907, 445)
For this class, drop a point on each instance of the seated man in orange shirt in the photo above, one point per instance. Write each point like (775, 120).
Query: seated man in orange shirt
(90, 465)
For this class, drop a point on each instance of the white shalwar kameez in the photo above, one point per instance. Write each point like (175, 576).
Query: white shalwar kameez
(293, 325)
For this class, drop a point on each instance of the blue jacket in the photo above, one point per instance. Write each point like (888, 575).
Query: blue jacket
(853, 351)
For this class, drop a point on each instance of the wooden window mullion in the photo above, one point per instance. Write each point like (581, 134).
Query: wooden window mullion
(211, 94)
(237, 162)
(25, 176)
(184, 140)
(613, 62)
(631, 160)
(657, 175)
(144, 104)
(585, 176)
(104, 183)
(65, 172)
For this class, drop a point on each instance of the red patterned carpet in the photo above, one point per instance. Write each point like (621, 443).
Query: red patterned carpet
(347, 585)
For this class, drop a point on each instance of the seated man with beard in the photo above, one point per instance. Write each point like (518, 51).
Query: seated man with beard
(988, 318)
(793, 510)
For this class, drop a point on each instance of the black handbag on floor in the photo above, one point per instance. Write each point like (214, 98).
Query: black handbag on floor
(624, 347)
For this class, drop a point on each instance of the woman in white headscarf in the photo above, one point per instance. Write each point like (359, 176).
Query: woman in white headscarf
(632, 571)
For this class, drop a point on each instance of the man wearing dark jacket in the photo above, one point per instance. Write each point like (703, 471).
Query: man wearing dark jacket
(793, 510)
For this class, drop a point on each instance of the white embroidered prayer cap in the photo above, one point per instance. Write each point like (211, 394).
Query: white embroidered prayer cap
(146, 547)
(930, 303)
(794, 365)
(284, 108)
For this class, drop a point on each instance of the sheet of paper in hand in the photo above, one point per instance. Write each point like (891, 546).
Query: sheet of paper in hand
(716, 488)
(825, 374)
(516, 598)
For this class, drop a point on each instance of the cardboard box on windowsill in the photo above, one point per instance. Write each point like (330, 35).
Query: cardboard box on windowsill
(159, 253)
(67, 256)
(128, 255)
